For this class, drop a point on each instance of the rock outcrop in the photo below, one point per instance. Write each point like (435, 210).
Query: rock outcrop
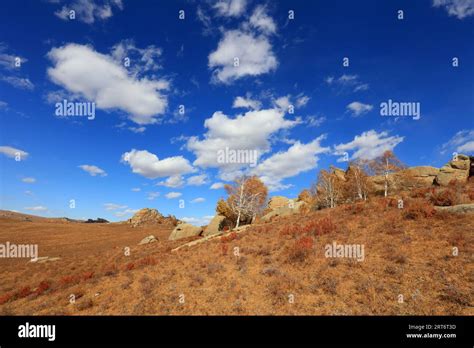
(150, 217)
(278, 202)
(215, 225)
(184, 230)
(458, 169)
(292, 207)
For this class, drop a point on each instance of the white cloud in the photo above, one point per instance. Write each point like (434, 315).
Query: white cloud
(347, 82)
(458, 8)
(172, 195)
(230, 8)
(93, 170)
(125, 212)
(136, 189)
(198, 200)
(99, 78)
(137, 130)
(247, 103)
(29, 180)
(314, 121)
(198, 221)
(150, 166)
(370, 144)
(262, 21)
(217, 186)
(13, 152)
(153, 195)
(461, 142)
(113, 206)
(144, 59)
(19, 82)
(297, 159)
(467, 147)
(254, 53)
(37, 208)
(248, 131)
(89, 11)
(357, 108)
(302, 101)
(174, 181)
(197, 180)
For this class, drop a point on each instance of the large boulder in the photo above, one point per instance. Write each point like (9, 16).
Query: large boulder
(214, 226)
(148, 240)
(290, 209)
(458, 169)
(185, 230)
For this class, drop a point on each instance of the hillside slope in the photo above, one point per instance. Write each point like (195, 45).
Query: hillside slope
(281, 267)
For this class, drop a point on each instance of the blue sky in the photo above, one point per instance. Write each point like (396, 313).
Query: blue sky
(290, 98)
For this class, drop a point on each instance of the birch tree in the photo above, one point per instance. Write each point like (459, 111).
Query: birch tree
(247, 198)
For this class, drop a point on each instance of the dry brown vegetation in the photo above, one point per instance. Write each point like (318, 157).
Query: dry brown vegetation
(280, 267)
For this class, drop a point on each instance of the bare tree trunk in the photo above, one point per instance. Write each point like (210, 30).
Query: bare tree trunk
(240, 204)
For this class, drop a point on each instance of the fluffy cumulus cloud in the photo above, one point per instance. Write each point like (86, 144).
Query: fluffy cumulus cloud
(13, 152)
(150, 166)
(357, 108)
(100, 78)
(369, 145)
(89, 11)
(93, 170)
(230, 8)
(254, 53)
(249, 131)
(458, 8)
(297, 159)
(461, 142)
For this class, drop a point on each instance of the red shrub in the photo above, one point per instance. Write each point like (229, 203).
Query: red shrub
(87, 275)
(224, 248)
(416, 209)
(6, 297)
(232, 236)
(130, 266)
(68, 280)
(325, 225)
(148, 261)
(443, 197)
(42, 287)
(301, 249)
(25, 292)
